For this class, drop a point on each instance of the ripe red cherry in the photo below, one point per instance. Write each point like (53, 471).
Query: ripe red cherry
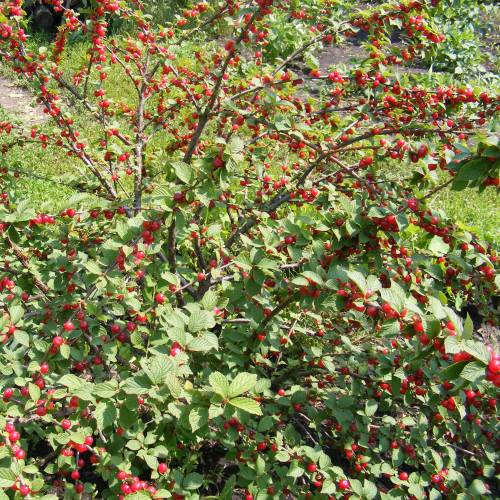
(66, 424)
(24, 489)
(312, 467)
(14, 436)
(343, 484)
(159, 298)
(262, 446)
(403, 476)
(162, 468)
(68, 326)
(494, 364)
(8, 393)
(75, 475)
(57, 341)
(200, 276)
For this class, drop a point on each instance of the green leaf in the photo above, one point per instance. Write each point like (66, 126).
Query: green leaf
(246, 404)
(16, 312)
(7, 478)
(198, 417)
(192, 481)
(438, 247)
(473, 372)
(468, 328)
(478, 487)
(200, 320)
(219, 384)
(22, 338)
(173, 384)
(158, 367)
(476, 349)
(70, 381)
(227, 492)
(453, 371)
(93, 267)
(369, 490)
(394, 296)
(106, 389)
(243, 382)
(139, 384)
(206, 342)
(34, 392)
(183, 171)
(371, 407)
(358, 279)
(105, 415)
(134, 445)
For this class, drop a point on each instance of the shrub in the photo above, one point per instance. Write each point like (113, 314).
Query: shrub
(242, 301)
(468, 26)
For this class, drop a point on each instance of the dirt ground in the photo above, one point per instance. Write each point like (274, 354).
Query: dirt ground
(19, 103)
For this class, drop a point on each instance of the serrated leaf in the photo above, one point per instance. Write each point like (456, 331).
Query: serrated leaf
(140, 384)
(183, 171)
(7, 478)
(246, 404)
(242, 383)
(394, 296)
(198, 417)
(93, 267)
(105, 415)
(34, 392)
(106, 389)
(16, 312)
(219, 384)
(206, 342)
(22, 338)
(173, 384)
(476, 349)
(200, 320)
(158, 367)
(72, 382)
(473, 372)
(370, 490)
(358, 279)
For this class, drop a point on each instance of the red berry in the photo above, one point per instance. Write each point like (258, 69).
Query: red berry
(159, 298)
(312, 467)
(68, 326)
(66, 424)
(24, 490)
(343, 484)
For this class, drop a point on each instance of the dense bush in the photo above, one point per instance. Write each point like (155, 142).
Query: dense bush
(243, 301)
(468, 26)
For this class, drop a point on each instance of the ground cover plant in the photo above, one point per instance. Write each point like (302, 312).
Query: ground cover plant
(242, 301)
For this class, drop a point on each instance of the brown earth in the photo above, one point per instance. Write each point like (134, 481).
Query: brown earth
(19, 103)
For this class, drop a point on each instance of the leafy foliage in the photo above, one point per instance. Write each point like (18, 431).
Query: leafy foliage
(241, 301)
(468, 26)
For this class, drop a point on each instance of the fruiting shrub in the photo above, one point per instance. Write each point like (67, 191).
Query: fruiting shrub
(244, 300)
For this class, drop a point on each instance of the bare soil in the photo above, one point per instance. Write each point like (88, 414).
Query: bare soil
(19, 103)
